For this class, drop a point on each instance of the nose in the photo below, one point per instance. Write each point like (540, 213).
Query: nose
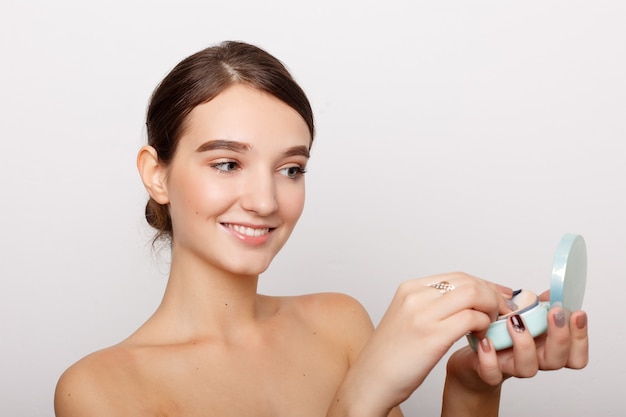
(259, 193)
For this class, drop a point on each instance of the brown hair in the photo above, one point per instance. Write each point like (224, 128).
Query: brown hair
(199, 78)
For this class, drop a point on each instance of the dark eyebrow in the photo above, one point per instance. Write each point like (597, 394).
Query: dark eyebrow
(298, 151)
(223, 144)
(241, 147)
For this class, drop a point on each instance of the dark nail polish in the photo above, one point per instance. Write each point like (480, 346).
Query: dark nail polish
(518, 323)
(516, 292)
(581, 321)
(559, 318)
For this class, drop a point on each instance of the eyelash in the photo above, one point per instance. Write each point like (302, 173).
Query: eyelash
(233, 166)
(299, 172)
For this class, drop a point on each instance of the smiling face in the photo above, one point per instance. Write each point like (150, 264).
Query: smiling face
(235, 187)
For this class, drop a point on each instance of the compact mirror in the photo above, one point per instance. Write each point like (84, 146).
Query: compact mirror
(569, 273)
(567, 290)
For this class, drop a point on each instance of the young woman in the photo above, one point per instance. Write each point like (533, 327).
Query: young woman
(229, 133)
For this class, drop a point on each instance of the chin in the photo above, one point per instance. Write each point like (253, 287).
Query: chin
(248, 267)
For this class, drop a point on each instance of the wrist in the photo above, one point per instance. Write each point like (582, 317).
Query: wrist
(465, 393)
(460, 399)
(461, 369)
(356, 398)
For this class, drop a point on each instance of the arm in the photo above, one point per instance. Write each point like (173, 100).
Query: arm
(95, 386)
(418, 328)
(465, 394)
(353, 326)
(77, 394)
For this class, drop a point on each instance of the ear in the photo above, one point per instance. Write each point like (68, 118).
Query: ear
(153, 174)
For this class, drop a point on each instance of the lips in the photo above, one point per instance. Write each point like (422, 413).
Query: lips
(248, 231)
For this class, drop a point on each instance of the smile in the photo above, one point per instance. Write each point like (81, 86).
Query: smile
(248, 231)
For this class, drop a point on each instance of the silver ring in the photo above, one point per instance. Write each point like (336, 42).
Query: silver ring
(443, 286)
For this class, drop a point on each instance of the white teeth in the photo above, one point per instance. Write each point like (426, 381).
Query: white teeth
(248, 231)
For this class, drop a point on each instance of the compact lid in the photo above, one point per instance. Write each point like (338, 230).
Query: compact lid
(569, 273)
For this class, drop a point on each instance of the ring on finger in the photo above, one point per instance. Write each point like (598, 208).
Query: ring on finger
(442, 286)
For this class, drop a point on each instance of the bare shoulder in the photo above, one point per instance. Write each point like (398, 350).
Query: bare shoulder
(95, 385)
(338, 306)
(341, 317)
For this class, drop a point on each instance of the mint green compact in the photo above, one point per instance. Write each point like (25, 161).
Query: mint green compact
(567, 290)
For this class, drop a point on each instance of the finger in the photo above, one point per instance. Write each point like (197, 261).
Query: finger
(555, 352)
(524, 362)
(506, 306)
(467, 292)
(544, 296)
(488, 368)
(505, 291)
(579, 341)
(471, 294)
(464, 321)
(422, 290)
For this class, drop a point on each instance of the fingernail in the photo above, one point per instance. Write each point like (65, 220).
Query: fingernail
(581, 321)
(511, 305)
(518, 323)
(485, 345)
(516, 292)
(559, 318)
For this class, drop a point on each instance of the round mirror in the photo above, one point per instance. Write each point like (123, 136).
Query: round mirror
(569, 273)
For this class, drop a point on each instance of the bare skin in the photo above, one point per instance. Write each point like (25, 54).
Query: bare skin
(216, 347)
(476, 378)
(289, 360)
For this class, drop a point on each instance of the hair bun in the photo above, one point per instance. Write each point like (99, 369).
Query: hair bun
(158, 216)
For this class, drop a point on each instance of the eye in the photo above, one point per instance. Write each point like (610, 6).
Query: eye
(293, 172)
(225, 166)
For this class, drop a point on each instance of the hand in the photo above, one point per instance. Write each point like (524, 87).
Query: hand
(418, 328)
(562, 346)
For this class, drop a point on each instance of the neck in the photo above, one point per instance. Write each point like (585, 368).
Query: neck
(202, 300)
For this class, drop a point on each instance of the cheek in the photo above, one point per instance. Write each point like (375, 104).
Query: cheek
(193, 198)
(292, 203)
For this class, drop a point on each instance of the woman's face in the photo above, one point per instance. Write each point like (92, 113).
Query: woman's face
(236, 184)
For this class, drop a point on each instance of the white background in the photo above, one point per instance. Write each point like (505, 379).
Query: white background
(452, 135)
